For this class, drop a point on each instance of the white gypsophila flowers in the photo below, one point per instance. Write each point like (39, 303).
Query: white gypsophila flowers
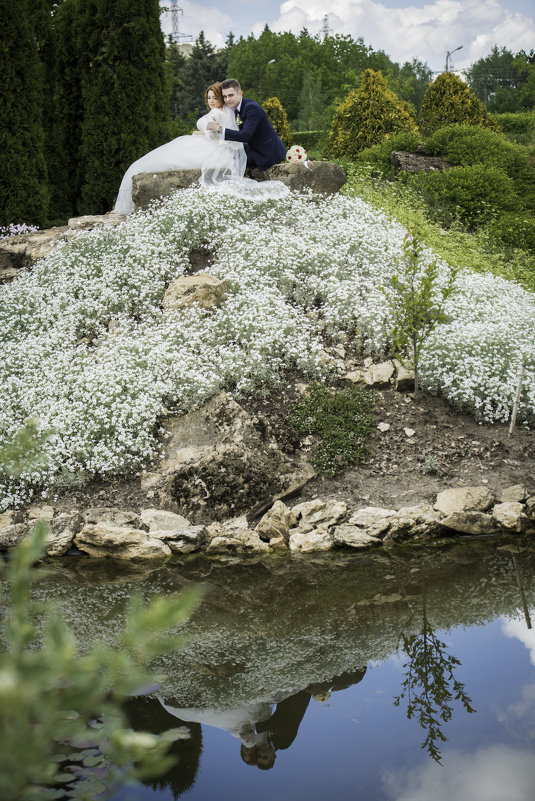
(89, 353)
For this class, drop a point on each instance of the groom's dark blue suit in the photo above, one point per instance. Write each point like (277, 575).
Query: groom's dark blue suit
(262, 145)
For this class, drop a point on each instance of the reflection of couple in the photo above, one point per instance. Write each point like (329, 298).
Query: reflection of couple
(261, 729)
(235, 133)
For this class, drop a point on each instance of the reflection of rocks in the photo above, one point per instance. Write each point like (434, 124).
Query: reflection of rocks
(221, 461)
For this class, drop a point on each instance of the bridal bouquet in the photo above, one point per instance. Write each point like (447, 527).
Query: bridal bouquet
(296, 154)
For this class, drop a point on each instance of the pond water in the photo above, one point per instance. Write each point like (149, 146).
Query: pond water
(400, 676)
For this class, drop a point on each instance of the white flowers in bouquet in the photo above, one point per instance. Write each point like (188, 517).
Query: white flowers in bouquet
(296, 154)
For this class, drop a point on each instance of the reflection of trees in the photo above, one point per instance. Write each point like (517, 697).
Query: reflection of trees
(430, 686)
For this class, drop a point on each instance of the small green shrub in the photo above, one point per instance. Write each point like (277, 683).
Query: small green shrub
(518, 126)
(379, 155)
(449, 100)
(343, 420)
(307, 139)
(517, 230)
(366, 116)
(471, 144)
(468, 195)
(279, 119)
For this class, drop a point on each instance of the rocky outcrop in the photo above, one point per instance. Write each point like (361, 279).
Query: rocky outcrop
(319, 177)
(102, 540)
(404, 161)
(234, 537)
(204, 290)
(220, 461)
(150, 186)
(464, 499)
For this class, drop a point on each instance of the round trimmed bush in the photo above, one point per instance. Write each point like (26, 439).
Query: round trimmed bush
(472, 195)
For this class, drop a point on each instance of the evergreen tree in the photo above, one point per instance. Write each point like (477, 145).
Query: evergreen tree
(279, 119)
(450, 100)
(366, 117)
(203, 67)
(124, 93)
(24, 181)
(174, 66)
(311, 103)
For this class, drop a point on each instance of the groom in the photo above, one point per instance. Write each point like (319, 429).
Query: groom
(262, 145)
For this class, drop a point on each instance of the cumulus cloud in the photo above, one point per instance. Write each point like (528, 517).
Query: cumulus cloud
(426, 33)
(516, 627)
(489, 774)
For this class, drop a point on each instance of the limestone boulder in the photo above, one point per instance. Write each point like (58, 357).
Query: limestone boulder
(318, 539)
(511, 516)
(61, 533)
(404, 161)
(354, 537)
(11, 535)
(413, 522)
(103, 540)
(403, 378)
(379, 375)
(319, 177)
(114, 516)
(470, 523)
(276, 522)
(202, 289)
(464, 499)
(162, 520)
(221, 461)
(372, 520)
(233, 538)
(40, 513)
(182, 540)
(517, 492)
(10, 517)
(150, 186)
(318, 514)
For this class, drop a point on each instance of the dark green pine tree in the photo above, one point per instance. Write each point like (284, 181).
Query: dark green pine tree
(23, 174)
(203, 67)
(125, 94)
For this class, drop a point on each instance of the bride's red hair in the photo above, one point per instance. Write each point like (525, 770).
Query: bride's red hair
(216, 89)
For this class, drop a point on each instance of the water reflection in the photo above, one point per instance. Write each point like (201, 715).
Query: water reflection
(278, 641)
(430, 684)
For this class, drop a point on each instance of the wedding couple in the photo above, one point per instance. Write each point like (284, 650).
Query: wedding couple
(235, 133)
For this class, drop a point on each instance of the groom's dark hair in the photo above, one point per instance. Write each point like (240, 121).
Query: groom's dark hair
(231, 83)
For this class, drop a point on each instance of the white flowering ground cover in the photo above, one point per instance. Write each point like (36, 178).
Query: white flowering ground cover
(88, 352)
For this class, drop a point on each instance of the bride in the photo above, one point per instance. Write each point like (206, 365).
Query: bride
(220, 161)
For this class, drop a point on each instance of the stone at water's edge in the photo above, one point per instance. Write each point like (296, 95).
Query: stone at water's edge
(102, 540)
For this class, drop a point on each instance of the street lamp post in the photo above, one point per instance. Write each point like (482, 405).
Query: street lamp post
(449, 53)
(271, 61)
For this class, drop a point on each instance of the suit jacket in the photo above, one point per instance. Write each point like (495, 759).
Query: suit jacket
(262, 145)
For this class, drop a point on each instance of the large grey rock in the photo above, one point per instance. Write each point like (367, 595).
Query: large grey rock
(232, 537)
(319, 539)
(276, 522)
(102, 540)
(517, 492)
(114, 516)
(10, 517)
(61, 533)
(511, 516)
(372, 520)
(182, 540)
(149, 186)
(10, 536)
(320, 177)
(203, 289)
(354, 537)
(413, 522)
(162, 520)
(470, 523)
(405, 161)
(318, 514)
(221, 461)
(464, 499)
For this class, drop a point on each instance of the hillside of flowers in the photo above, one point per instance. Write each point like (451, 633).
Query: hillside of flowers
(88, 352)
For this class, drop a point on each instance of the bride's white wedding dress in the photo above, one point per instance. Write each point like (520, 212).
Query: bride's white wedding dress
(222, 163)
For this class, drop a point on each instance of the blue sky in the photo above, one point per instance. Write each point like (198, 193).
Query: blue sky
(404, 29)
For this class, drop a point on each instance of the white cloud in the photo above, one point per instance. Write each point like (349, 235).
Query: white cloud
(517, 628)
(196, 17)
(426, 33)
(489, 774)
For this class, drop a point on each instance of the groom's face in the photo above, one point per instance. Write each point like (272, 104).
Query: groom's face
(232, 97)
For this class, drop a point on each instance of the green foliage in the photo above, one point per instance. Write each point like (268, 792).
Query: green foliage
(307, 139)
(471, 144)
(379, 155)
(519, 127)
(203, 67)
(366, 117)
(517, 230)
(449, 100)
(24, 192)
(504, 81)
(469, 195)
(124, 92)
(343, 420)
(416, 296)
(279, 119)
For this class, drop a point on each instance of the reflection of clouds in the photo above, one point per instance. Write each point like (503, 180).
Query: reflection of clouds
(516, 627)
(498, 773)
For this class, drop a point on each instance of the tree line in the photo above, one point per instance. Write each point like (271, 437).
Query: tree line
(91, 85)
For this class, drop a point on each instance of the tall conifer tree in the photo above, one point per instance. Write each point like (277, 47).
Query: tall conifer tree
(23, 174)
(124, 91)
